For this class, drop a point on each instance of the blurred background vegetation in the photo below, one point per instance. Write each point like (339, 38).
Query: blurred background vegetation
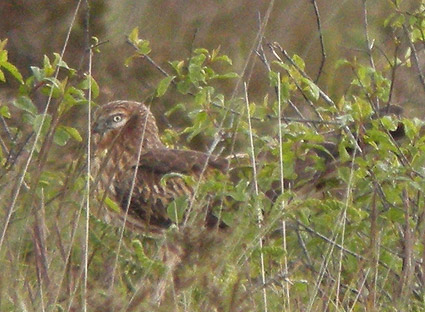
(176, 28)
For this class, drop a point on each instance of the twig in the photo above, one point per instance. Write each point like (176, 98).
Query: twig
(259, 212)
(360, 290)
(87, 186)
(256, 44)
(6, 129)
(394, 67)
(234, 112)
(20, 182)
(272, 48)
(151, 61)
(322, 44)
(322, 94)
(282, 186)
(263, 58)
(407, 244)
(415, 57)
(369, 46)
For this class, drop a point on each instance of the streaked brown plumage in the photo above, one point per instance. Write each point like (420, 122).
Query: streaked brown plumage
(119, 129)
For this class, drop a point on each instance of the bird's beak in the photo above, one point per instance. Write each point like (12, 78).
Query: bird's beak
(97, 128)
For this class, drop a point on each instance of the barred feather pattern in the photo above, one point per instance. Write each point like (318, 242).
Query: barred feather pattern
(120, 128)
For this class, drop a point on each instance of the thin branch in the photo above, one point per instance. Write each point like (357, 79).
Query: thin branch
(415, 57)
(348, 198)
(256, 44)
(87, 215)
(322, 44)
(282, 186)
(263, 58)
(6, 129)
(360, 290)
(259, 212)
(322, 94)
(151, 61)
(20, 182)
(369, 46)
(295, 81)
(394, 67)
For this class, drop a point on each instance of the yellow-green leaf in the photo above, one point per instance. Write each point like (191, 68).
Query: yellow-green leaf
(73, 133)
(13, 71)
(4, 111)
(25, 103)
(163, 85)
(112, 204)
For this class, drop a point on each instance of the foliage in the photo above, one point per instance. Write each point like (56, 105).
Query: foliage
(332, 217)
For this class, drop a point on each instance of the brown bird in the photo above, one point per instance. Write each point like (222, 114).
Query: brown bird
(128, 151)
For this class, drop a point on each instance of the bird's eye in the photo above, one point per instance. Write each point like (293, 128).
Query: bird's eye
(117, 118)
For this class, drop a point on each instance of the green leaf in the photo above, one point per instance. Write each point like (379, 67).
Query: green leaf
(389, 123)
(341, 62)
(311, 89)
(174, 108)
(112, 204)
(163, 85)
(47, 66)
(171, 175)
(25, 103)
(298, 61)
(144, 47)
(61, 137)
(3, 44)
(201, 51)
(227, 76)
(141, 45)
(3, 56)
(178, 66)
(37, 73)
(196, 73)
(54, 87)
(274, 79)
(361, 109)
(342, 150)
(94, 88)
(73, 133)
(129, 59)
(395, 215)
(198, 59)
(199, 125)
(283, 65)
(4, 111)
(90, 82)
(2, 77)
(144, 260)
(224, 58)
(41, 121)
(64, 133)
(13, 71)
(411, 127)
(60, 62)
(184, 86)
(177, 208)
(133, 37)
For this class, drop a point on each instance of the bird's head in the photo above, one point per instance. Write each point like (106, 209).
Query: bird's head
(115, 115)
(125, 119)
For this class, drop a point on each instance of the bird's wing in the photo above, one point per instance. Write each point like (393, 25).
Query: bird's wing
(153, 190)
(180, 161)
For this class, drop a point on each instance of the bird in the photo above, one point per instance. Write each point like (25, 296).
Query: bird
(139, 172)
